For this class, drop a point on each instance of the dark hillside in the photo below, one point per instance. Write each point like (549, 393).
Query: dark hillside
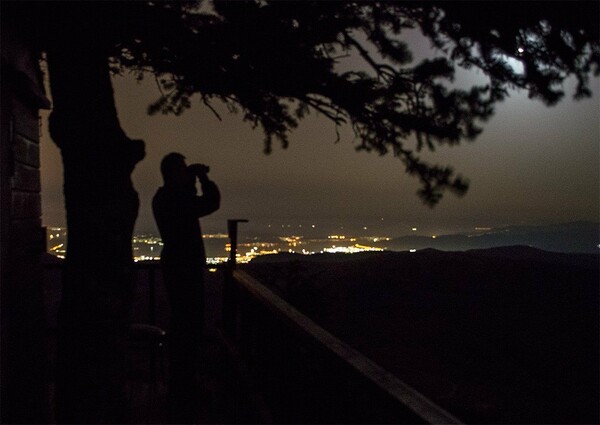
(503, 335)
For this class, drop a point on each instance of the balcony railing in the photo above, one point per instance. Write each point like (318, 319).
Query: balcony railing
(293, 370)
(304, 373)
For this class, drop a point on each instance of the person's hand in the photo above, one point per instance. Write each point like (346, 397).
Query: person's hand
(199, 170)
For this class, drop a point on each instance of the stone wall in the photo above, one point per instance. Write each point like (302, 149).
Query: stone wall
(24, 370)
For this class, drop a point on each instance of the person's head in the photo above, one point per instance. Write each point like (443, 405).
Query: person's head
(174, 170)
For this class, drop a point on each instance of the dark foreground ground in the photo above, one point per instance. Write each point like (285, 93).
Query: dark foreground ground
(503, 335)
(221, 397)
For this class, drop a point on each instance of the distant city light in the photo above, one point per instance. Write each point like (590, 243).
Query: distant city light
(215, 236)
(350, 249)
(147, 247)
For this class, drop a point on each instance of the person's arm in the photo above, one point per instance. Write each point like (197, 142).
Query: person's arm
(210, 200)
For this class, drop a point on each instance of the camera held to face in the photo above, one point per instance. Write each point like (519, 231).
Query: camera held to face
(199, 169)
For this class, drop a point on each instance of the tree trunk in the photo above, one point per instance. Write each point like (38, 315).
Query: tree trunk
(102, 207)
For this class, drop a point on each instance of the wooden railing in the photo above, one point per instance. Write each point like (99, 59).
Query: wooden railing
(306, 375)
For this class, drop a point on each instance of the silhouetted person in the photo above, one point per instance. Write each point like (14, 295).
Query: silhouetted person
(177, 207)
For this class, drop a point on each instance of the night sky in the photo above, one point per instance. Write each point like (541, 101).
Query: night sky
(531, 165)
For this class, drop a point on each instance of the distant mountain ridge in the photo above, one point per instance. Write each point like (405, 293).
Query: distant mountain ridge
(576, 237)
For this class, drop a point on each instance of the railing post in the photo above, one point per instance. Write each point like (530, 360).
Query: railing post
(229, 293)
(151, 295)
(232, 226)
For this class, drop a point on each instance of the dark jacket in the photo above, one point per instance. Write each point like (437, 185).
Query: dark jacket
(176, 211)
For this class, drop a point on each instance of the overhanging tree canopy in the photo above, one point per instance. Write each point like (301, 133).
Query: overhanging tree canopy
(274, 61)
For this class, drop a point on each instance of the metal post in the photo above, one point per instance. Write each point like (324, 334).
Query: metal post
(229, 292)
(152, 295)
(232, 226)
